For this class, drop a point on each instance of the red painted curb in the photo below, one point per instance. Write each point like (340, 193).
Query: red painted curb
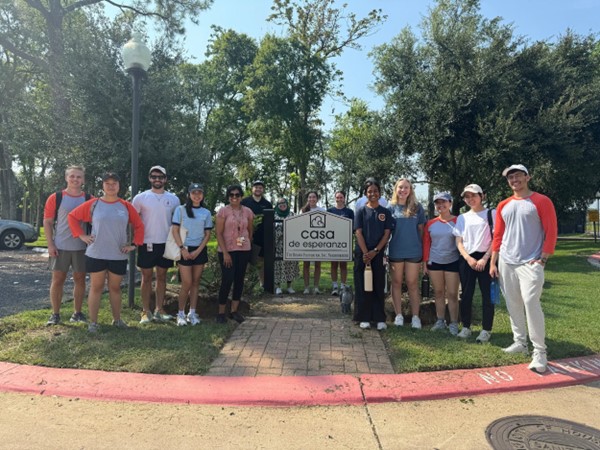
(293, 391)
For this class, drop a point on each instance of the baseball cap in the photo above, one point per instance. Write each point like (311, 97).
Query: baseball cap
(161, 169)
(257, 182)
(195, 187)
(474, 188)
(111, 176)
(514, 167)
(442, 196)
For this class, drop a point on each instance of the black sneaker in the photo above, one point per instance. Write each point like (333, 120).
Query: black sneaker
(237, 317)
(78, 317)
(53, 320)
(221, 318)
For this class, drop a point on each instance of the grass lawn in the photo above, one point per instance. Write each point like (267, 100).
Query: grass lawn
(571, 302)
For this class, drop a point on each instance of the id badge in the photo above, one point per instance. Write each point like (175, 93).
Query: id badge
(149, 248)
(240, 241)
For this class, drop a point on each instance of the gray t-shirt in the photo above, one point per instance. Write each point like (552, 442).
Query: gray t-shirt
(109, 228)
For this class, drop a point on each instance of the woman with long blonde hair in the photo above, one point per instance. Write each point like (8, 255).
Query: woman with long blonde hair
(406, 249)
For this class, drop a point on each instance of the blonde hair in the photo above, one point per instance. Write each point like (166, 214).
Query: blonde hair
(73, 167)
(410, 209)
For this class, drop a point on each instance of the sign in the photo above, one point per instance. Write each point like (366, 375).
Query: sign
(592, 215)
(317, 236)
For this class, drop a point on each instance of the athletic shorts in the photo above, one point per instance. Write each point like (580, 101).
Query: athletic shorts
(409, 260)
(149, 260)
(451, 267)
(202, 258)
(67, 259)
(118, 267)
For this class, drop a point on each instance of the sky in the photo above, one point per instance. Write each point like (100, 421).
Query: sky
(534, 19)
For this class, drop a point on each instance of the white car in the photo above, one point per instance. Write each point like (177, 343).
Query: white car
(13, 234)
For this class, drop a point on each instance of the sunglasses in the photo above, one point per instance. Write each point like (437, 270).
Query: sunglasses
(235, 194)
(157, 177)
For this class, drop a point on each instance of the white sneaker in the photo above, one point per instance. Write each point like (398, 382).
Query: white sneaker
(416, 323)
(365, 325)
(381, 326)
(316, 291)
(539, 363)
(193, 319)
(291, 290)
(464, 333)
(516, 348)
(440, 324)
(181, 322)
(399, 320)
(278, 291)
(306, 291)
(484, 336)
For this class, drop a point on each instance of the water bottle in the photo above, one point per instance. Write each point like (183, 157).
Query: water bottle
(368, 278)
(425, 286)
(495, 291)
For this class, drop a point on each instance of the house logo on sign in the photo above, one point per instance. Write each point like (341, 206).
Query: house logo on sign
(318, 221)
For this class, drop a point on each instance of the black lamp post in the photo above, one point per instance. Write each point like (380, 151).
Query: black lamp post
(136, 58)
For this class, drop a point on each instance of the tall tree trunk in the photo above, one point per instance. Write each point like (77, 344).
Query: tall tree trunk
(8, 181)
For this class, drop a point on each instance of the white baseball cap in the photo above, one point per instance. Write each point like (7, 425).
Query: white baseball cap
(474, 188)
(161, 169)
(520, 167)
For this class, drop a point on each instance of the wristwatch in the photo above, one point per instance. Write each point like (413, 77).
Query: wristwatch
(181, 247)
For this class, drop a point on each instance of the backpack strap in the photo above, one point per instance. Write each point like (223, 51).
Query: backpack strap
(490, 222)
(58, 202)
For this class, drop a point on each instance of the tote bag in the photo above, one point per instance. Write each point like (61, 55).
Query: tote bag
(172, 250)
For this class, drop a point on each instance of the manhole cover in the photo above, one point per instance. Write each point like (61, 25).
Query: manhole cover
(537, 432)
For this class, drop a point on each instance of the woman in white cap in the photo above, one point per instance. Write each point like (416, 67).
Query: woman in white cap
(440, 261)
(194, 255)
(474, 231)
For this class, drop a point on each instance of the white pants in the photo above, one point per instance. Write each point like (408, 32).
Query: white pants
(522, 288)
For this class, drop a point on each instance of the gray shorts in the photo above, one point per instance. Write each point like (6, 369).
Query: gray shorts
(67, 259)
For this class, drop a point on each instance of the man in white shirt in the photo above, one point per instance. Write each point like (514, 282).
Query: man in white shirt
(155, 207)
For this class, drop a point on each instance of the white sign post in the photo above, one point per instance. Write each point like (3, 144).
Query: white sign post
(317, 236)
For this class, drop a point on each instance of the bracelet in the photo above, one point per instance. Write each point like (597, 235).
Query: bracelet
(181, 247)
(375, 250)
(544, 260)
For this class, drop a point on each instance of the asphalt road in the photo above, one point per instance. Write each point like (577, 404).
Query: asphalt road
(25, 281)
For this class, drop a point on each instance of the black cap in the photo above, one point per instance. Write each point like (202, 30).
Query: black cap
(258, 182)
(111, 176)
(195, 187)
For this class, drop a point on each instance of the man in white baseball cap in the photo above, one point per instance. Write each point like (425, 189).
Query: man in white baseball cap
(524, 237)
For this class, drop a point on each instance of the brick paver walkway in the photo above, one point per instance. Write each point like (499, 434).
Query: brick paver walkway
(299, 346)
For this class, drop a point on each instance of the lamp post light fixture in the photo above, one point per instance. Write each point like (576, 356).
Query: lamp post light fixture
(136, 58)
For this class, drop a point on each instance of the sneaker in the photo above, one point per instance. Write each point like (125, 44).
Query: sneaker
(306, 291)
(92, 327)
(516, 348)
(53, 320)
(439, 324)
(465, 333)
(453, 328)
(399, 320)
(291, 290)
(146, 317)
(484, 336)
(181, 322)
(381, 326)
(193, 319)
(334, 291)
(365, 325)
(237, 317)
(119, 324)
(278, 291)
(539, 363)
(78, 317)
(416, 323)
(221, 318)
(161, 316)
(317, 291)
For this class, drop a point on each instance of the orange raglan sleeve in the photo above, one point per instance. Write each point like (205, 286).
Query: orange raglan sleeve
(50, 207)
(78, 215)
(547, 215)
(136, 222)
(427, 240)
(499, 226)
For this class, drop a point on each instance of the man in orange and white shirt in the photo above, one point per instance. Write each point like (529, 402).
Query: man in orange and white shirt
(524, 237)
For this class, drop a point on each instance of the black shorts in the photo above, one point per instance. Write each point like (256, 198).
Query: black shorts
(118, 267)
(451, 267)
(202, 258)
(403, 260)
(149, 260)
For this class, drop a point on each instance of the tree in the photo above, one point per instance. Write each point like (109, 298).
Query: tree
(291, 76)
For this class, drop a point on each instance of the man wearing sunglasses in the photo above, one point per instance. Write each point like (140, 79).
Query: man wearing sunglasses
(155, 207)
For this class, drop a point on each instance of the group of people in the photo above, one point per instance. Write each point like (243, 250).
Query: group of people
(91, 236)
(510, 244)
